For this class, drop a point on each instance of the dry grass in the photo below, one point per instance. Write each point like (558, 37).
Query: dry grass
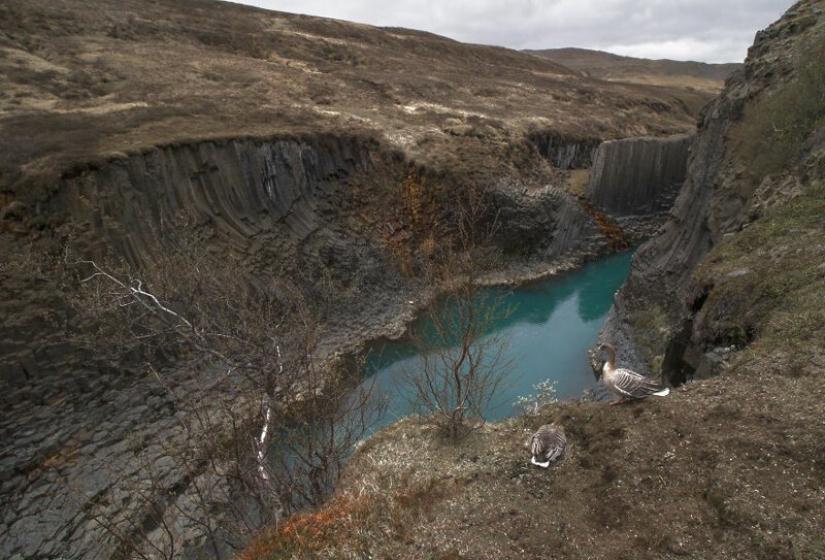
(576, 182)
(678, 477)
(378, 508)
(120, 76)
(690, 76)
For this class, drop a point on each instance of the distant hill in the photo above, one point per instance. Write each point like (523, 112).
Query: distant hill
(614, 68)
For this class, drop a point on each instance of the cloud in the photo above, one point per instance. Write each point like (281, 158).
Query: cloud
(704, 30)
(682, 49)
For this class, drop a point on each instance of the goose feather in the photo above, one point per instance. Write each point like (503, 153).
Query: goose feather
(547, 444)
(627, 383)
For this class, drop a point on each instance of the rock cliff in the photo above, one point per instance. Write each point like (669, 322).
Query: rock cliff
(567, 153)
(638, 175)
(759, 146)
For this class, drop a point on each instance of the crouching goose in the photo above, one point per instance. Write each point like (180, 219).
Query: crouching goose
(627, 383)
(547, 444)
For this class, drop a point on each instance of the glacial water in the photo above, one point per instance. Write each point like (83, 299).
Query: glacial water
(553, 323)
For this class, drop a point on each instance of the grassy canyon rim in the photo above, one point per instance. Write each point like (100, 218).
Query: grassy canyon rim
(84, 83)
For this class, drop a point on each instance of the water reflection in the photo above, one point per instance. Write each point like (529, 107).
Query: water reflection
(553, 323)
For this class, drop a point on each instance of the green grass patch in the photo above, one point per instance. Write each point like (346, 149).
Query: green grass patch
(772, 135)
(767, 283)
(652, 329)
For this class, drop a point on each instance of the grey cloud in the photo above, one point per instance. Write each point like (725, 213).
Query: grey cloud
(708, 30)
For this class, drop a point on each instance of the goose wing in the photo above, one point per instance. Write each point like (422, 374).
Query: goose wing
(632, 385)
(547, 444)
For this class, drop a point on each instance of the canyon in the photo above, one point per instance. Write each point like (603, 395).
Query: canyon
(76, 417)
(325, 153)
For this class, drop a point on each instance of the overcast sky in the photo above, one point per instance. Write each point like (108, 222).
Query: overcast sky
(703, 30)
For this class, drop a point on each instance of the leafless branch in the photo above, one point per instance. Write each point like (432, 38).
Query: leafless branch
(272, 433)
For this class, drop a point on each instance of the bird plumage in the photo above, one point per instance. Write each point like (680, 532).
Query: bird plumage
(627, 383)
(547, 444)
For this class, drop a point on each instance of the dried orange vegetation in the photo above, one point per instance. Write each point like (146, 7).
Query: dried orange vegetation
(348, 523)
(611, 231)
(300, 534)
(412, 235)
(417, 202)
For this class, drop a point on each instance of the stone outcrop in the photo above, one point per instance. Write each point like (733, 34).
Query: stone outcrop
(252, 193)
(566, 152)
(638, 175)
(741, 163)
(72, 424)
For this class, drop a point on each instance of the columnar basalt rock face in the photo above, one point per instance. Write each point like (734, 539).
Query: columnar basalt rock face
(660, 275)
(270, 203)
(547, 223)
(71, 421)
(566, 152)
(287, 206)
(638, 175)
(240, 188)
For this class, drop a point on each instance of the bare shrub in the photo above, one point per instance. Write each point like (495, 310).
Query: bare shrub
(462, 366)
(264, 427)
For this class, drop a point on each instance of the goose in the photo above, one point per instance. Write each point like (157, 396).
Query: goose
(626, 383)
(547, 444)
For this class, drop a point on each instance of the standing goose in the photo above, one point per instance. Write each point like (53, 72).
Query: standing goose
(627, 383)
(547, 444)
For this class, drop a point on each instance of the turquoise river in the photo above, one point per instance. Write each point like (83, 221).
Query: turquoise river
(553, 324)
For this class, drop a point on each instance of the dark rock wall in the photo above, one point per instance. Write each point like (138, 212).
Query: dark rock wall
(575, 229)
(635, 176)
(271, 203)
(290, 206)
(70, 419)
(240, 189)
(566, 152)
(654, 312)
(545, 222)
(653, 301)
